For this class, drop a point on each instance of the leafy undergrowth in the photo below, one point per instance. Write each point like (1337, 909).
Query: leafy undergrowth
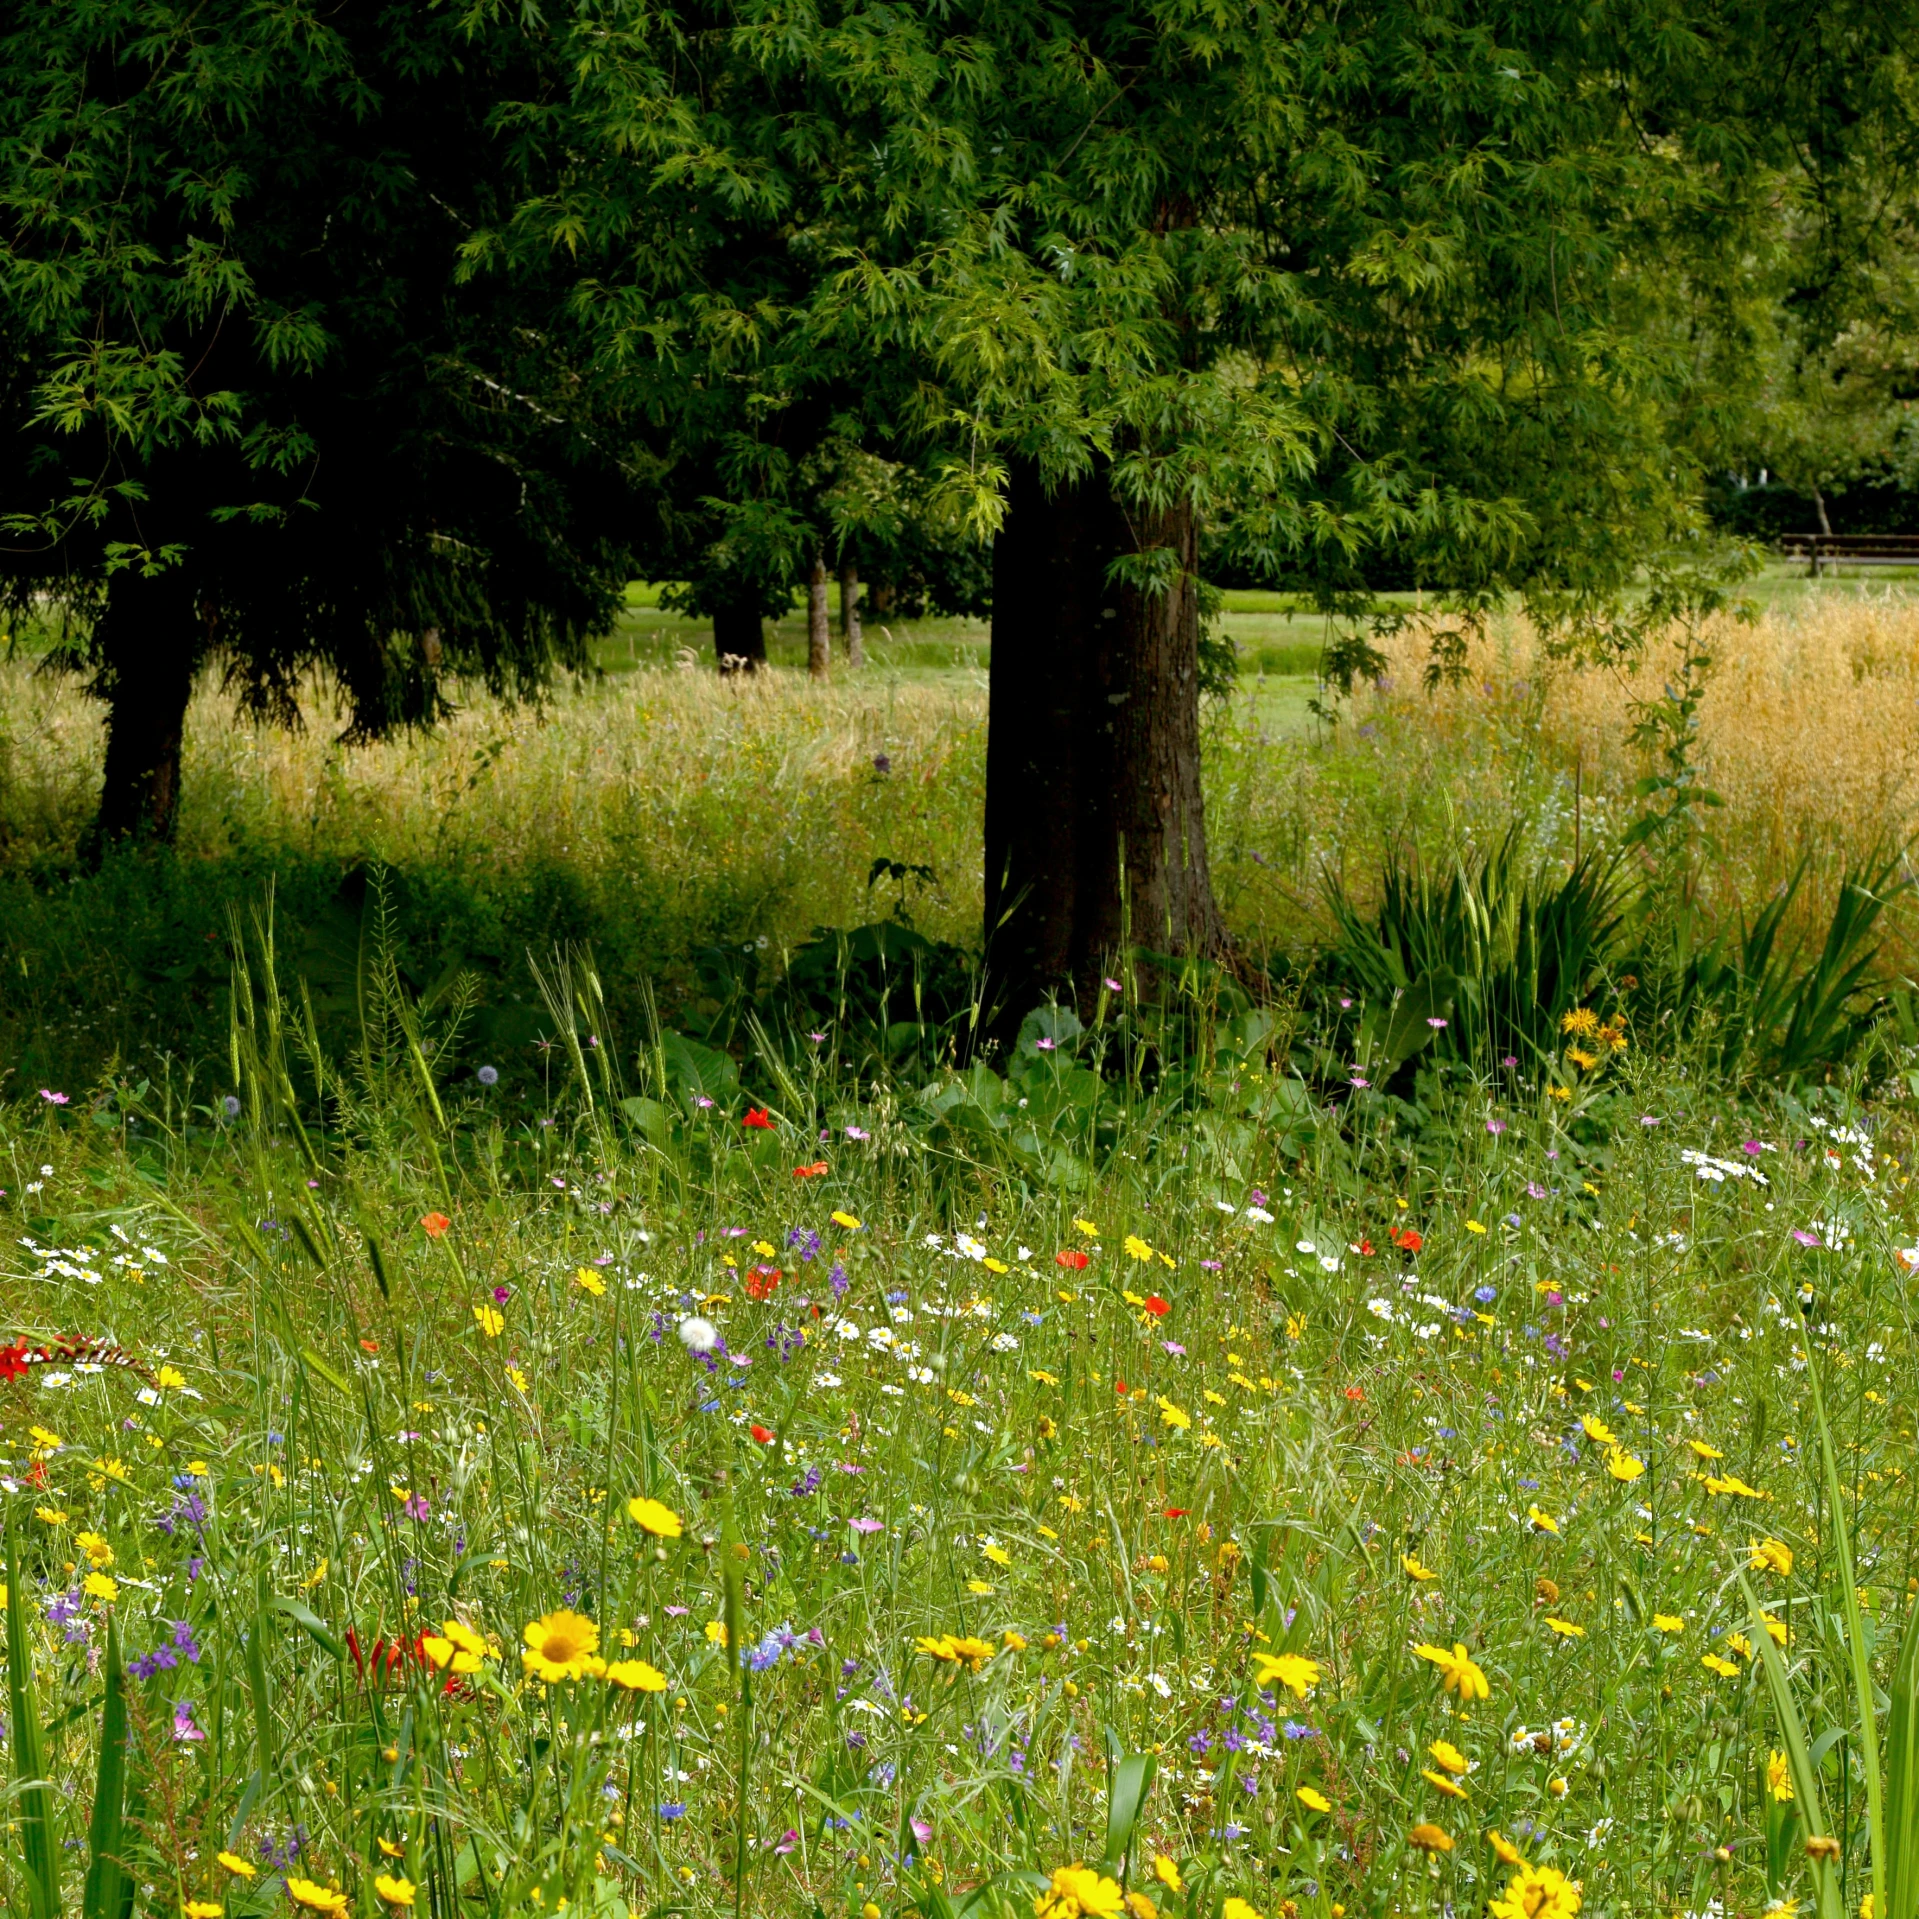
(1170, 1479)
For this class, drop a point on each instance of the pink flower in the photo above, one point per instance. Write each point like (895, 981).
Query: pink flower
(1435, 1024)
(1111, 985)
(1045, 1045)
(1805, 1238)
(865, 1525)
(53, 1099)
(1495, 1126)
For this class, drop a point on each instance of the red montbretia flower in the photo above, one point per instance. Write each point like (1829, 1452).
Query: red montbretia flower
(810, 1172)
(758, 1118)
(1177, 1512)
(761, 1435)
(1157, 1306)
(435, 1224)
(761, 1281)
(1072, 1259)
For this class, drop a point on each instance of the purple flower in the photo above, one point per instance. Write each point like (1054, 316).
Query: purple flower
(858, 1132)
(838, 1280)
(882, 763)
(1805, 1238)
(922, 1831)
(1213, 1265)
(501, 1294)
(1174, 1347)
(818, 1039)
(671, 1809)
(1753, 1147)
(1111, 985)
(52, 1098)
(1256, 1197)
(416, 1507)
(1511, 1060)
(1646, 1119)
(1045, 1045)
(1358, 1081)
(1534, 1190)
(700, 1100)
(1495, 1126)
(183, 1726)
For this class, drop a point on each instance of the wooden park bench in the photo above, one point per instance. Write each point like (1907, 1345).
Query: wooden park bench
(1823, 551)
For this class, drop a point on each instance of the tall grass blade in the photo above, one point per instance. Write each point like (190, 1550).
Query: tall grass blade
(1855, 1637)
(1902, 1779)
(39, 1860)
(1805, 1779)
(109, 1886)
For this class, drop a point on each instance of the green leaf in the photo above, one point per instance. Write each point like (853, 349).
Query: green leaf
(1128, 1781)
(39, 1861)
(1805, 1780)
(314, 1626)
(108, 1883)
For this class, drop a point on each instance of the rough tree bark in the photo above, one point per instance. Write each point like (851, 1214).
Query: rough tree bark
(1095, 825)
(150, 640)
(739, 636)
(850, 614)
(819, 630)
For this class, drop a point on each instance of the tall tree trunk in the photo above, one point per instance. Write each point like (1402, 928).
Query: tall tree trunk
(739, 636)
(819, 629)
(150, 640)
(1095, 825)
(850, 613)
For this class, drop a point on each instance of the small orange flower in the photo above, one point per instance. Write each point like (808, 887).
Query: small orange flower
(758, 1118)
(810, 1172)
(761, 1435)
(435, 1224)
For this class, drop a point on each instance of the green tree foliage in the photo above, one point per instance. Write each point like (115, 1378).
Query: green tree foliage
(246, 413)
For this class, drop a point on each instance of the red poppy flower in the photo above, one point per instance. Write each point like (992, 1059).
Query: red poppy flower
(38, 1475)
(1119, 1386)
(1365, 1247)
(1177, 1512)
(761, 1281)
(1355, 1392)
(757, 1116)
(1072, 1259)
(435, 1224)
(369, 1345)
(1408, 1240)
(810, 1172)
(1157, 1306)
(761, 1435)
(13, 1360)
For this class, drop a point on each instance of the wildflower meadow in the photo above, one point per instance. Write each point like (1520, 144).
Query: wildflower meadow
(1118, 1480)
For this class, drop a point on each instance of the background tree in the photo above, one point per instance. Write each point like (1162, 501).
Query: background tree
(247, 413)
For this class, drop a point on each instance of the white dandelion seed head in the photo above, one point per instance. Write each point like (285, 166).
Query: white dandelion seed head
(699, 1335)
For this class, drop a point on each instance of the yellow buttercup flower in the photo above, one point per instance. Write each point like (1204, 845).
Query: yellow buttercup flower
(1730, 1487)
(100, 1587)
(1449, 1756)
(588, 1281)
(1174, 1416)
(1078, 1892)
(635, 1675)
(240, 1868)
(1565, 1628)
(1541, 1521)
(952, 1651)
(1457, 1672)
(1778, 1776)
(1313, 1799)
(316, 1897)
(1667, 1622)
(458, 1646)
(997, 1554)
(1413, 1569)
(562, 1645)
(1450, 1787)
(396, 1892)
(1167, 1873)
(1429, 1838)
(1298, 1674)
(1623, 1466)
(1239, 1909)
(490, 1319)
(1536, 1892)
(847, 1220)
(1503, 1849)
(1770, 1555)
(203, 1909)
(654, 1516)
(1597, 1430)
(1725, 1668)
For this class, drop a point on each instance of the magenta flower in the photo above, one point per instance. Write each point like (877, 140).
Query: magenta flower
(1435, 1024)
(1805, 1238)
(416, 1507)
(1495, 1126)
(1045, 1045)
(1111, 985)
(865, 1525)
(51, 1097)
